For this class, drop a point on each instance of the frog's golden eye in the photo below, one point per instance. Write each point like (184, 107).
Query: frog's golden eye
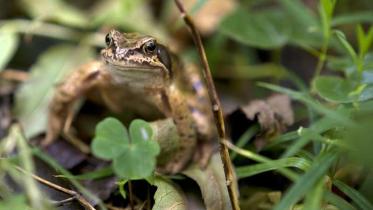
(150, 47)
(108, 40)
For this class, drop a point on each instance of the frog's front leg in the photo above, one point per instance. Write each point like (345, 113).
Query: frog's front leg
(61, 108)
(176, 107)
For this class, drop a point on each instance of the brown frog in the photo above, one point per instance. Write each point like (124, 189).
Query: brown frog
(138, 73)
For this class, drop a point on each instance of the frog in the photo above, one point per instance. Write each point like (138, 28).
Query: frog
(136, 72)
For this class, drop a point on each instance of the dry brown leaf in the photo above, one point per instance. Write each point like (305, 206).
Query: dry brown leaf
(273, 114)
(208, 17)
(212, 184)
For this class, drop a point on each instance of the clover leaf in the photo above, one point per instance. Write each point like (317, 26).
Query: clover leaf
(133, 154)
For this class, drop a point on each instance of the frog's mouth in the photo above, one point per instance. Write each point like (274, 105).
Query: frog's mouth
(137, 75)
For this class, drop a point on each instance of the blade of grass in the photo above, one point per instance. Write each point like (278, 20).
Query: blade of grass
(305, 183)
(337, 201)
(307, 100)
(50, 161)
(314, 198)
(245, 138)
(97, 174)
(306, 135)
(30, 186)
(262, 159)
(355, 196)
(247, 171)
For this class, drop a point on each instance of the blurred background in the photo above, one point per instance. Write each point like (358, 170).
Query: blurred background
(274, 41)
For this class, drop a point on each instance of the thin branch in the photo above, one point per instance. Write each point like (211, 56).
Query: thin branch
(63, 202)
(130, 194)
(15, 75)
(216, 108)
(72, 193)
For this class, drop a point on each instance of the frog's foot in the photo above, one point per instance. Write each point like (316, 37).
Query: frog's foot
(204, 153)
(76, 142)
(54, 127)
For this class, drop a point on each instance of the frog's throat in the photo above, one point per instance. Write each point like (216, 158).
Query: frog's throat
(139, 76)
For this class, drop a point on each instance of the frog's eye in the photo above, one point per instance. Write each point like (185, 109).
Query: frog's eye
(149, 47)
(108, 40)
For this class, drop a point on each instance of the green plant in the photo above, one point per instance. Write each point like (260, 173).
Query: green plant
(133, 152)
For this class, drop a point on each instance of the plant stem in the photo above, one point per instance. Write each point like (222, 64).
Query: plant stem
(322, 57)
(216, 108)
(130, 194)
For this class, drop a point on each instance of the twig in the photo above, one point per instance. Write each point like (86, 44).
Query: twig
(62, 202)
(216, 108)
(74, 194)
(130, 194)
(15, 75)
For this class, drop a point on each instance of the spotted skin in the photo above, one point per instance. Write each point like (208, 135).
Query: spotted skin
(137, 69)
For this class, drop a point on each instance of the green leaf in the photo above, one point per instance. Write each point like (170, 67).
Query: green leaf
(367, 93)
(364, 39)
(247, 171)
(14, 202)
(358, 17)
(137, 161)
(8, 46)
(121, 188)
(334, 89)
(292, 22)
(304, 26)
(356, 197)
(122, 13)
(140, 130)
(168, 196)
(342, 39)
(33, 96)
(110, 140)
(56, 10)
(306, 182)
(133, 158)
(262, 29)
(258, 71)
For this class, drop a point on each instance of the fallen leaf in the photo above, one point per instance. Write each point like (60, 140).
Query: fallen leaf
(168, 196)
(212, 184)
(273, 115)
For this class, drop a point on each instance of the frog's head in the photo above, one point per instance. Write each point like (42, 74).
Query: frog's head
(137, 59)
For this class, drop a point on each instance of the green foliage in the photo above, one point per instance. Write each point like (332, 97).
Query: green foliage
(292, 23)
(335, 89)
(56, 10)
(336, 114)
(308, 180)
(33, 96)
(17, 202)
(133, 154)
(357, 198)
(247, 171)
(8, 45)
